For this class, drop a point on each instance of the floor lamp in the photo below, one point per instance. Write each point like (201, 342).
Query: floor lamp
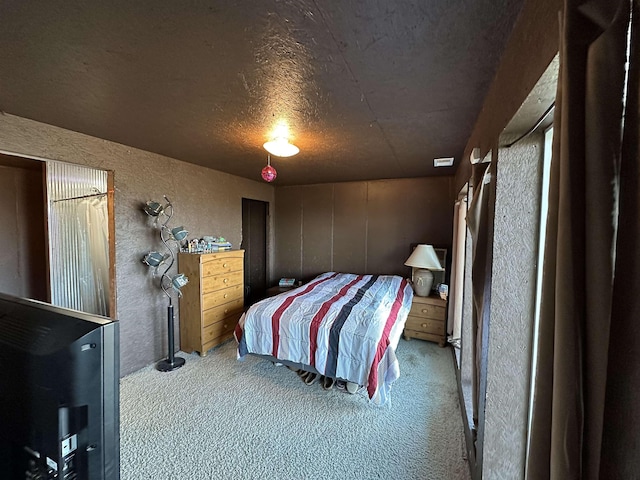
(169, 284)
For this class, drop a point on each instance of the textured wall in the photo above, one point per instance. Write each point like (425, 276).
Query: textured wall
(515, 250)
(22, 235)
(360, 227)
(532, 46)
(206, 202)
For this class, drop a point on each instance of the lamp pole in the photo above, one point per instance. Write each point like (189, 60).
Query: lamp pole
(172, 362)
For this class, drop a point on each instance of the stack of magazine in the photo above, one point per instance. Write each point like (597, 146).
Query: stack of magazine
(208, 245)
(217, 246)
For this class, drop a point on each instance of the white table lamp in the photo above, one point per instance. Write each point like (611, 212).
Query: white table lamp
(423, 259)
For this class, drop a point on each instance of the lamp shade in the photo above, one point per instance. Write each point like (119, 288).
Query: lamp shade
(179, 233)
(178, 281)
(154, 259)
(424, 256)
(153, 209)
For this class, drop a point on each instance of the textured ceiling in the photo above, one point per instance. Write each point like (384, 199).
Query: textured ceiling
(369, 88)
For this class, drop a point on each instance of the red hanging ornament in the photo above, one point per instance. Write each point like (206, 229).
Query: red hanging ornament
(269, 173)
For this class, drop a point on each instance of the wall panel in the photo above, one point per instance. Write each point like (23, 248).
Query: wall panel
(402, 212)
(350, 227)
(288, 225)
(317, 228)
(390, 232)
(374, 224)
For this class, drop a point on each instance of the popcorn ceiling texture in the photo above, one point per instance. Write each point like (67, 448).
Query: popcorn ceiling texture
(370, 89)
(207, 202)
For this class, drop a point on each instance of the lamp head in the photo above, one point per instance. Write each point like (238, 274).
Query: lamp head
(179, 233)
(154, 259)
(153, 209)
(178, 281)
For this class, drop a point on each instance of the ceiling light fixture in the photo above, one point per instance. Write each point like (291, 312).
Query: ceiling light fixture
(280, 147)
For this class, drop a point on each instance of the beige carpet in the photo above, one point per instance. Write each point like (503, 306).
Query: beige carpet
(219, 418)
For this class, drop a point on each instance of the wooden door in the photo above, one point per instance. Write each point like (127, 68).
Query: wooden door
(254, 243)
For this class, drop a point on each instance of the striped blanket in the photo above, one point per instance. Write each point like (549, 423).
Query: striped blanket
(345, 326)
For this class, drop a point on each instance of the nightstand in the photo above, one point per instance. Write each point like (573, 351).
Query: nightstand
(426, 319)
(272, 291)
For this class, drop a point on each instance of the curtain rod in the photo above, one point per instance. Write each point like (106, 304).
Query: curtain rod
(80, 197)
(532, 129)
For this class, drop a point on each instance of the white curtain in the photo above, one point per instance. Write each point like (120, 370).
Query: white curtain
(454, 328)
(78, 237)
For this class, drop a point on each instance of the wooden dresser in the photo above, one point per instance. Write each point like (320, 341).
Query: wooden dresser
(426, 320)
(212, 301)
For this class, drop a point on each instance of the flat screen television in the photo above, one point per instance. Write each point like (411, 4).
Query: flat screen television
(59, 393)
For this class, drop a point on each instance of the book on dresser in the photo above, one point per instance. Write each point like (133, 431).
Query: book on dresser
(212, 301)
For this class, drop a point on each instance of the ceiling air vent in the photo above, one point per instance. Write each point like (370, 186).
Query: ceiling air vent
(443, 162)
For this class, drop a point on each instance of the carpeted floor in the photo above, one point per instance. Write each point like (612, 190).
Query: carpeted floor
(218, 418)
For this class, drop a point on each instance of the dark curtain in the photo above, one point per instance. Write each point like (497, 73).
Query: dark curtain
(586, 398)
(480, 223)
(620, 456)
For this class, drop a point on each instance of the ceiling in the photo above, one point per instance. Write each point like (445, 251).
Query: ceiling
(370, 89)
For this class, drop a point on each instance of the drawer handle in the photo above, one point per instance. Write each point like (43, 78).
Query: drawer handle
(226, 280)
(424, 310)
(225, 295)
(226, 310)
(424, 325)
(225, 265)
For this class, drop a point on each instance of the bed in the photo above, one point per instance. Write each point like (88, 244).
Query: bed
(343, 326)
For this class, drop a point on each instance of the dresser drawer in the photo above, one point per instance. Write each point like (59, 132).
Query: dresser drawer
(409, 334)
(221, 265)
(225, 295)
(218, 329)
(426, 325)
(221, 280)
(427, 310)
(212, 301)
(426, 320)
(221, 312)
